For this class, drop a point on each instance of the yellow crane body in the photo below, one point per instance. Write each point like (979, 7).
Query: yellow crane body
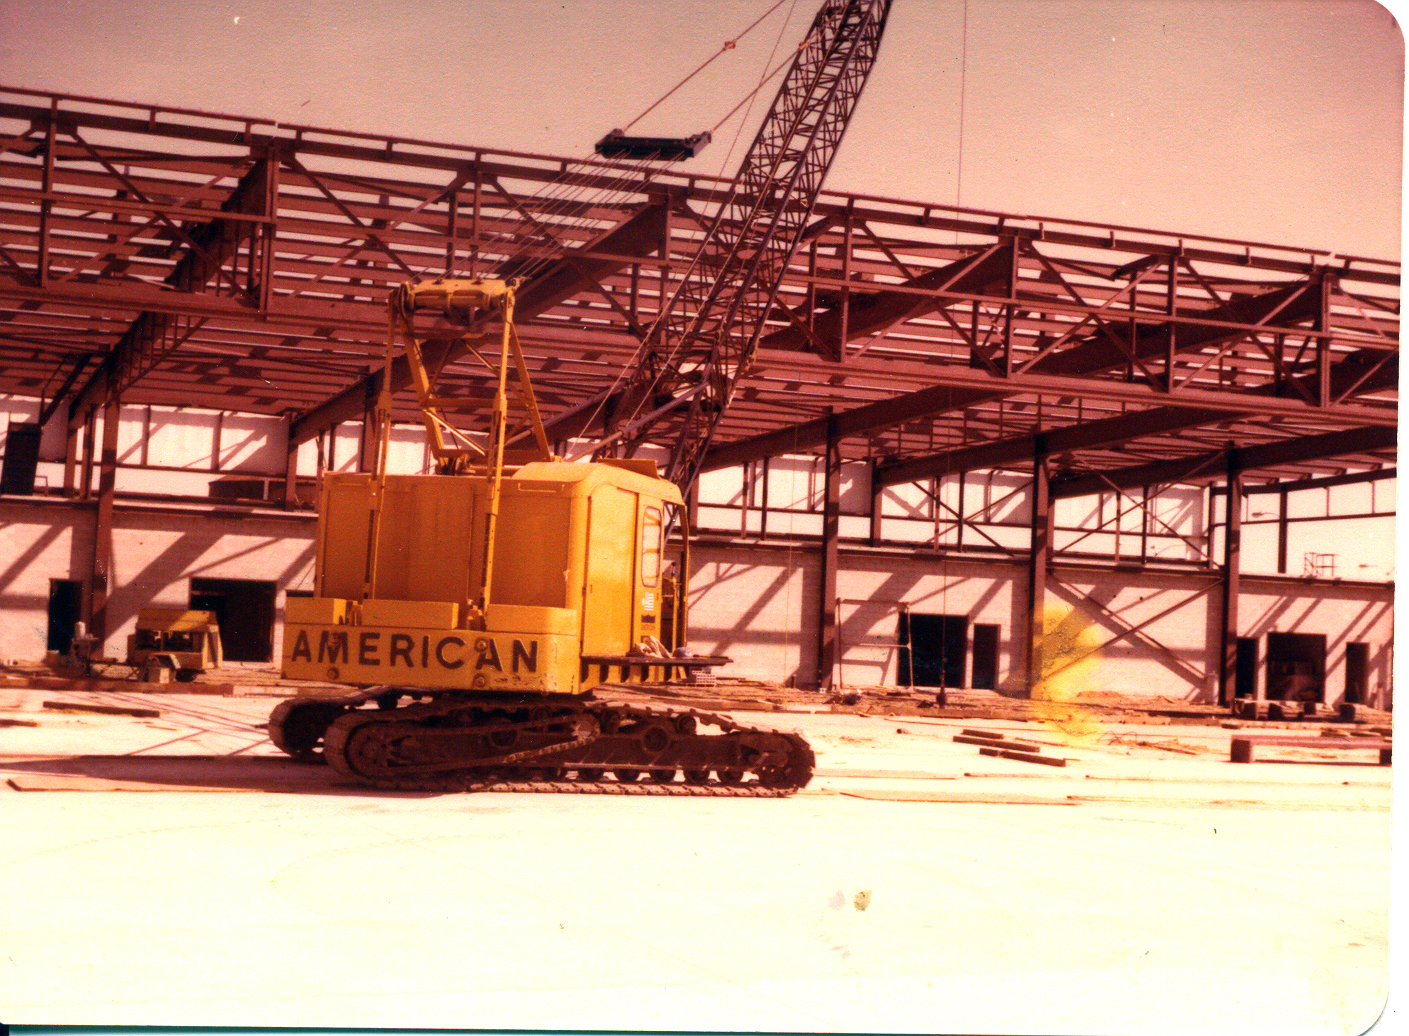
(579, 595)
(497, 595)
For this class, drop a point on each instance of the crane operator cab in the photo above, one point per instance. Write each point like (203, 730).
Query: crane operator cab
(579, 592)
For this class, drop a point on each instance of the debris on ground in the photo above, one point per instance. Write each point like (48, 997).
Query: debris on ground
(992, 743)
(107, 710)
(1170, 745)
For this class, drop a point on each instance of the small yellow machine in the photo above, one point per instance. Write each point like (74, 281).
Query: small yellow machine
(502, 596)
(187, 643)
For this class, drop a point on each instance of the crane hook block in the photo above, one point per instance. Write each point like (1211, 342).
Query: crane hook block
(617, 144)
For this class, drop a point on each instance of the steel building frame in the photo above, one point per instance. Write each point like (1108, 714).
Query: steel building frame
(152, 255)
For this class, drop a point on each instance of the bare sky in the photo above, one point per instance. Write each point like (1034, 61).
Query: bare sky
(1268, 120)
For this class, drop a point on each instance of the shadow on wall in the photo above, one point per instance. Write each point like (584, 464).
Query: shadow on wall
(773, 616)
(1126, 633)
(171, 575)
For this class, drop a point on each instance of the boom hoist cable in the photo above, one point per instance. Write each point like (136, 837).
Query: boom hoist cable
(705, 337)
(561, 209)
(579, 187)
(710, 331)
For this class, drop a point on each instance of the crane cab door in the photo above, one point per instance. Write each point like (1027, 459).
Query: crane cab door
(609, 590)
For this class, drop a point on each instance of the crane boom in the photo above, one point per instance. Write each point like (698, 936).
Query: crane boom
(706, 338)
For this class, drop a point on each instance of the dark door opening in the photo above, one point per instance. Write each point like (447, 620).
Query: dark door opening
(245, 610)
(1357, 672)
(65, 609)
(985, 665)
(1245, 673)
(934, 649)
(1296, 666)
(21, 458)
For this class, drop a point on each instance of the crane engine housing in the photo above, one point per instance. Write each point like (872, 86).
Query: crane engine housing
(580, 592)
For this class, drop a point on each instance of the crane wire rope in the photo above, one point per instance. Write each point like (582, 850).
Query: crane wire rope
(565, 193)
(555, 203)
(949, 448)
(767, 77)
(571, 190)
(764, 80)
(568, 192)
(726, 46)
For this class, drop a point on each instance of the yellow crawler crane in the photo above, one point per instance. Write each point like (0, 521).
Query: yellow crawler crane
(482, 611)
(503, 593)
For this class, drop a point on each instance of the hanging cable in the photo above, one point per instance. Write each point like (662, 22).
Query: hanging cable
(728, 45)
(560, 197)
(564, 205)
(963, 88)
(764, 79)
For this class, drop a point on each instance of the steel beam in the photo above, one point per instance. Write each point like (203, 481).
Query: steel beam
(811, 434)
(1063, 372)
(860, 314)
(1296, 485)
(1352, 371)
(156, 333)
(1203, 465)
(639, 236)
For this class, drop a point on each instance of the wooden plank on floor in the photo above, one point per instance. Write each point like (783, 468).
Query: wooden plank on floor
(57, 782)
(906, 795)
(106, 710)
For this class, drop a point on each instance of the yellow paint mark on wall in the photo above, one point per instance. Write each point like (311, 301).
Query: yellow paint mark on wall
(1067, 661)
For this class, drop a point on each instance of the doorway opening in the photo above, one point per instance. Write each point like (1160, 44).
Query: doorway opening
(934, 649)
(1245, 671)
(65, 609)
(21, 458)
(244, 608)
(1357, 672)
(1296, 667)
(984, 676)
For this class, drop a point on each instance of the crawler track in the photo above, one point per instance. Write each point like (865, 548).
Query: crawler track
(461, 743)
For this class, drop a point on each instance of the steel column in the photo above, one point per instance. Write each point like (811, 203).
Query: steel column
(90, 435)
(877, 501)
(290, 467)
(1282, 531)
(1039, 556)
(101, 586)
(831, 523)
(70, 459)
(1232, 562)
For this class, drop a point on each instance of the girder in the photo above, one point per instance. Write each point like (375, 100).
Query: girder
(924, 331)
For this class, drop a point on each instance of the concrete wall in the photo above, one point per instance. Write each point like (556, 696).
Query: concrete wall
(1344, 613)
(156, 554)
(1158, 632)
(760, 608)
(755, 602)
(38, 542)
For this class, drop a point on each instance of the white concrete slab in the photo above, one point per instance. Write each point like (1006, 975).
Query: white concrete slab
(1157, 892)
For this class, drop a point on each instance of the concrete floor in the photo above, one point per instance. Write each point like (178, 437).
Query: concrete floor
(185, 874)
